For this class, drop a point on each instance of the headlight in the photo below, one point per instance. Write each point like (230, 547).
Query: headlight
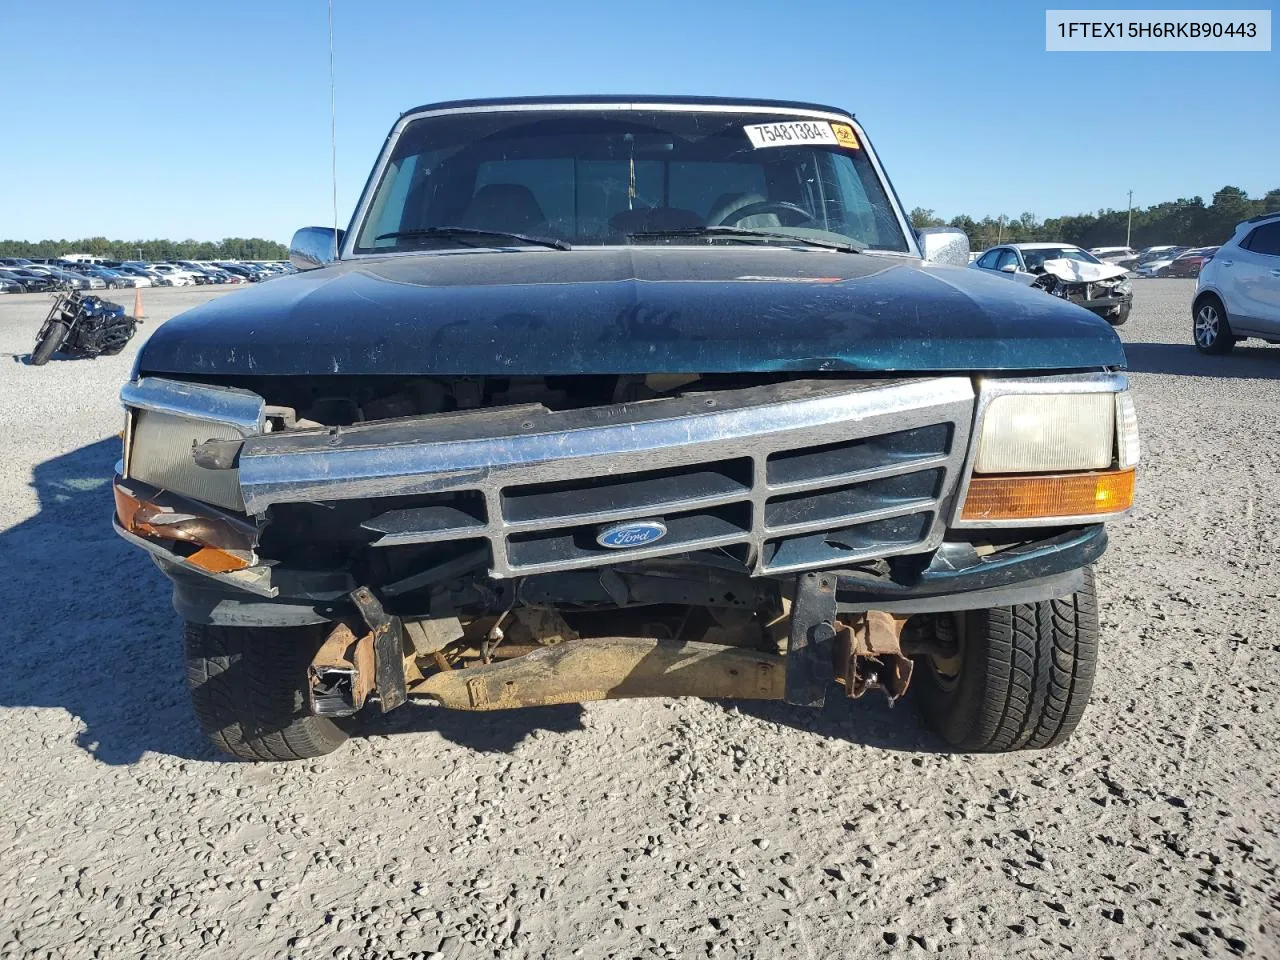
(1035, 433)
(1044, 457)
(1124, 286)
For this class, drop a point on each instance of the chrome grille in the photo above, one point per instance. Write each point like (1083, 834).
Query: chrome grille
(787, 477)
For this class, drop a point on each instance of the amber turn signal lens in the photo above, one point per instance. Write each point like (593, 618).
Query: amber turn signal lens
(222, 547)
(1048, 496)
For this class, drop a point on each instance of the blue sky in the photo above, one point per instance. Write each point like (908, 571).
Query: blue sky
(161, 119)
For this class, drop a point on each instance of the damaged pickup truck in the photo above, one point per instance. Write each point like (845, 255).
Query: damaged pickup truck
(613, 397)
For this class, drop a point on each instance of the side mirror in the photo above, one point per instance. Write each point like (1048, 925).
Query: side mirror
(944, 245)
(313, 247)
(1009, 268)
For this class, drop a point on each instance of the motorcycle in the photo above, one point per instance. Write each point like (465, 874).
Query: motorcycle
(82, 326)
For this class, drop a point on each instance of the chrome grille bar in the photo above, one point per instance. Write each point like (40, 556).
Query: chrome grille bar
(840, 465)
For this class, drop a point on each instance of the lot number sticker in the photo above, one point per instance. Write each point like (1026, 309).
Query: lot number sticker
(790, 134)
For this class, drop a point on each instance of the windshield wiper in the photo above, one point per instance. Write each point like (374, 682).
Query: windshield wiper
(846, 246)
(460, 232)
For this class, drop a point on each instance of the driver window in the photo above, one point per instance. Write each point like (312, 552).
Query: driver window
(1007, 257)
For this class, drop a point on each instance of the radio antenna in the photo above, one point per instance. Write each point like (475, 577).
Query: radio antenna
(333, 133)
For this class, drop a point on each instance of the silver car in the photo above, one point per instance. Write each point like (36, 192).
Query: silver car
(1064, 270)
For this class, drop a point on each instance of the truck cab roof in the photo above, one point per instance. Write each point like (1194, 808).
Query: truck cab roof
(551, 102)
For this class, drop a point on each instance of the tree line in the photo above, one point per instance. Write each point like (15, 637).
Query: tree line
(1186, 222)
(230, 248)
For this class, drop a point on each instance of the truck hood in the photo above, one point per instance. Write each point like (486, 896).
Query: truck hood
(630, 310)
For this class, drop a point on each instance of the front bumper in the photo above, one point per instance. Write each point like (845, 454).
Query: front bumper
(951, 578)
(957, 576)
(1105, 304)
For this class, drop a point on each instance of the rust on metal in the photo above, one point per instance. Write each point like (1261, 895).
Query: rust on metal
(868, 655)
(542, 625)
(610, 668)
(387, 634)
(341, 675)
(430, 636)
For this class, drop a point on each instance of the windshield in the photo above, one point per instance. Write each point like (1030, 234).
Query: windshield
(1035, 258)
(626, 176)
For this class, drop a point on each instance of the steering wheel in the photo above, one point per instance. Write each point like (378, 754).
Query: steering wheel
(780, 208)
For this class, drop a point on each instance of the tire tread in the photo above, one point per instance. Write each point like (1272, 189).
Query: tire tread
(247, 692)
(1027, 675)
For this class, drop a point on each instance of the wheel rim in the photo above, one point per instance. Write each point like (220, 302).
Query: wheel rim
(1207, 326)
(946, 670)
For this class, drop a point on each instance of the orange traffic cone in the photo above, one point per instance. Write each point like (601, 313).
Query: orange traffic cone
(137, 303)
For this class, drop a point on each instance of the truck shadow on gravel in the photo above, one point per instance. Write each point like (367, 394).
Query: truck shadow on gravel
(867, 721)
(498, 731)
(1245, 362)
(88, 628)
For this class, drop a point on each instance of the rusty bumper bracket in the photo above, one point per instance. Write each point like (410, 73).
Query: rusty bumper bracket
(388, 649)
(348, 670)
(341, 675)
(813, 627)
(610, 668)
(868, 655)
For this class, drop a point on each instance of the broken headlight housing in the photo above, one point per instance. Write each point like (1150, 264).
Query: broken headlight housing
(169, 418)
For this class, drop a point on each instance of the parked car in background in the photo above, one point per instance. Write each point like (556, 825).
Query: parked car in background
(1102, 288)
(1238, 293)
(11, 286)
(112, 278)
(240, 270)
(1189, 264)
(14, 262)
(77, 281)
(158, 278)
(178, 276)
(198, 271)
(31, 282)
(140, 276)
(1151, 266)
(1120, 256)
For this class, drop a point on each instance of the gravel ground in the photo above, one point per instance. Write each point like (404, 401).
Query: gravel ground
(651, 828)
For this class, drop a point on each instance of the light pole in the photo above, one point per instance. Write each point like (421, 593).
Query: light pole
(1129, 229)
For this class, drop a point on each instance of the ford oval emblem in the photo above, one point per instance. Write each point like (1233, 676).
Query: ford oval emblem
(637, 533)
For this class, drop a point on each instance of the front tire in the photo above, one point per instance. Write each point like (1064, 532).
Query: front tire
(1210, 329)
(48, 345)
(1121, 316)
(248, 691)
(1022, 676)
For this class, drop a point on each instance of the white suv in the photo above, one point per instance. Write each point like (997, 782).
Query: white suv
(1238, 294)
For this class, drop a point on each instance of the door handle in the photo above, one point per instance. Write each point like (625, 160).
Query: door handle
(1226, 263)
(1275, 273)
